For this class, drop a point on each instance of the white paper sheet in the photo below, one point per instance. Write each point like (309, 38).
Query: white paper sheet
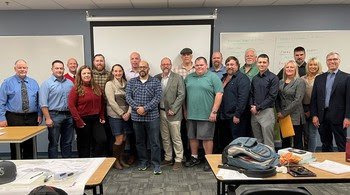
(227, 174)
(331, 166)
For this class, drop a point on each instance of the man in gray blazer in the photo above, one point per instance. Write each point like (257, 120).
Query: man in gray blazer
(173, 95)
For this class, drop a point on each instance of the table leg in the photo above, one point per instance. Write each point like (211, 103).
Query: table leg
(94, 190)
(223, 188)
(18, 151)
(35, 155)
(101, 188)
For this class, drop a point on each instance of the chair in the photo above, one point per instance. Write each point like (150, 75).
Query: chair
(276, 191)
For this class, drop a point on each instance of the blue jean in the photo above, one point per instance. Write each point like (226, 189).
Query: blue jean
(310, 133)
(62, 131)
(150, 129)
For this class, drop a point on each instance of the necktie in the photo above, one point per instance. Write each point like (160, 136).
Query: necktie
(25, 101)
(329, 85)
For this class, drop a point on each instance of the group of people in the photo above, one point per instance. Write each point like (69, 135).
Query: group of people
(186, 104)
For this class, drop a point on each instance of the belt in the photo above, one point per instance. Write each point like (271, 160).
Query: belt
(22, 114)
(326, 109)
(60, 112)
(162, 109)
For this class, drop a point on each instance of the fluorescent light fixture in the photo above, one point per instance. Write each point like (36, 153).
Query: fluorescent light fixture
(90, 18)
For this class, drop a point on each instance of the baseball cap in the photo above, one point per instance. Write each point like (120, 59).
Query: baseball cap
(186, 51)
(8, 171)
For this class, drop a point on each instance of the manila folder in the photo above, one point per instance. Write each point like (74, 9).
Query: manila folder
(286, 126)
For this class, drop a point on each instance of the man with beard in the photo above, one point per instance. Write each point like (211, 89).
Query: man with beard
(234, 102)
(173, 96)
(299, 57)
(143, 94)
(218, 68)
(249, 68)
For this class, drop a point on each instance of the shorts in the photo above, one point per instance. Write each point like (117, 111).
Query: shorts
(119, 126)
(201, 130)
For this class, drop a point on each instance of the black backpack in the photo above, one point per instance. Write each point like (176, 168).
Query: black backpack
(47, 190)
(249, 157)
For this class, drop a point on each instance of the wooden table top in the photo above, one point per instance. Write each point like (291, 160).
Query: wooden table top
(19, 134)
(101, 172)
(215, 159)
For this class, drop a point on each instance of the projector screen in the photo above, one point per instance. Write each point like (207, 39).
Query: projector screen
(152, 40)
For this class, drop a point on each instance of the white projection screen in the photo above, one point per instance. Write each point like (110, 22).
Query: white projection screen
(153, 40)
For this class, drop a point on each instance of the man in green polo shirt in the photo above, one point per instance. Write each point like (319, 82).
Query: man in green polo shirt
(249, 68)
(204, 93)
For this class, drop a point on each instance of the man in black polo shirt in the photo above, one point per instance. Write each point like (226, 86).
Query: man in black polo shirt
(263, 94)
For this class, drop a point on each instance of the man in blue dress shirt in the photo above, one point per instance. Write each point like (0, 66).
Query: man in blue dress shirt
(19, 105)
(53, 96)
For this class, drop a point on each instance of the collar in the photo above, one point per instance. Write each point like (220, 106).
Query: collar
(20, 80)
(53, 78)
(103, 72)
(70, 74)
(222, 67)
(335, 72)
(167, 76)
(264, 74)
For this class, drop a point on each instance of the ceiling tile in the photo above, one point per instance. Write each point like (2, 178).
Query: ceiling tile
(77, 4)
(11, 5)
(149, 3)
(325, 1)
(220, 3)
(256, 2)
(109, 4)
(291, 2)
(185, 3)
(39, 4)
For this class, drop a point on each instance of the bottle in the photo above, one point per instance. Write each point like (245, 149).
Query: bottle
(347, 149)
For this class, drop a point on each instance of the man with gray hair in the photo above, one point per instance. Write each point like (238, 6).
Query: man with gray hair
(173, 96)
(19, 105)
(249, 68)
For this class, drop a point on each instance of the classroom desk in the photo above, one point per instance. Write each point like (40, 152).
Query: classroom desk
(96, 180)
(19, 134)
(322, 176)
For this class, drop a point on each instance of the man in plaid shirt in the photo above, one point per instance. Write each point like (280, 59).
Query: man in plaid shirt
(143, 94)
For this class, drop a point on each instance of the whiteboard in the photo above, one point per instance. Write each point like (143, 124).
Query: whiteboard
(39, 52)
(152, 42)
(279, 46)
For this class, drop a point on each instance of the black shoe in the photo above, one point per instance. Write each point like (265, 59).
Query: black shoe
(192, 162)
(206, 167)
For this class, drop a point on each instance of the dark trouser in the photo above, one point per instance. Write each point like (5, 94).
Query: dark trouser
(152, 130)
(222, 136)
(26, 147)
(91, 137)
(109, 136)
(327, 129)
(297, 138)
(184, 139)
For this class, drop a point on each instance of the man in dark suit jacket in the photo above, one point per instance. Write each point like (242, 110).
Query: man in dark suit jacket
(330, 104)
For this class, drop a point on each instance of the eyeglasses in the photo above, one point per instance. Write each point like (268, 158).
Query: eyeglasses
(166, 64)
(143, 67)
(332, 59)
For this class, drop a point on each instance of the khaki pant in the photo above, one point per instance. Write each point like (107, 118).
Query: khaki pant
(263, 126)
(171, 137)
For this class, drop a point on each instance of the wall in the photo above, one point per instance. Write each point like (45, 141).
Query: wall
(233, 19)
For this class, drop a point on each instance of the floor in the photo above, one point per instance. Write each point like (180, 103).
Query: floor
(188, 181)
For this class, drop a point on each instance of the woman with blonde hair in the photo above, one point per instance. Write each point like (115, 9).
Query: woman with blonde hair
(313, 68)
(85, 102)
(289, 102)
(118, 112)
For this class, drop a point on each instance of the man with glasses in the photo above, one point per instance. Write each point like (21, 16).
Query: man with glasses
(330, 104)
(143, 94)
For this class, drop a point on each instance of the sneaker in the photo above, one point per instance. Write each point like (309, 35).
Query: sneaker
(142, 167)
(192, 162)
(177, 166)
(166, 163)
(206, 167)
(157, 171)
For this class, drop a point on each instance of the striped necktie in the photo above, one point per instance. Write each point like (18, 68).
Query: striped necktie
(25, 101)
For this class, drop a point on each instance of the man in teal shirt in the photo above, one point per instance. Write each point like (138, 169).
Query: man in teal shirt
(249, 68)
(204, 94)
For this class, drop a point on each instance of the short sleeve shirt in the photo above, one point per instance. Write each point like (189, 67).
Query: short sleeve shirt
(200, 94)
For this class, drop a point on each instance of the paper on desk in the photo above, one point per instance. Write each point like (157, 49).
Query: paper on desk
(27, 178)
(227, 174)
(2, 133)
(331, 166)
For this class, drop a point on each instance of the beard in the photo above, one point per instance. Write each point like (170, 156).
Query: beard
(142, 73)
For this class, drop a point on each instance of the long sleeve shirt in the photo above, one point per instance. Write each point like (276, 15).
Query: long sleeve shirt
(264, 90)
(53, 93)
(147, 95)
(85, 105)
(11, 96)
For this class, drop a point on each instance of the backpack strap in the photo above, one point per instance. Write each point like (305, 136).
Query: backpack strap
(251, 173)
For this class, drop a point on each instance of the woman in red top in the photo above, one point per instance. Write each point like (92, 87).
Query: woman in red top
(85, 103)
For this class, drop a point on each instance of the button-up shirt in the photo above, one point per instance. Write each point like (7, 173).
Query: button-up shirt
(220, 72)
(146, 94)
(164, 83)
(54, 93)
(11, 96)
(251, 72)
(129, 74)
(100, 77)
(182, 71)
(264, 90)
(329, 85)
